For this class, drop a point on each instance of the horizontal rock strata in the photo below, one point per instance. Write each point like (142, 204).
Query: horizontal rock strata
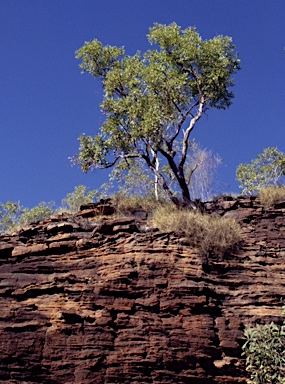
(115, 302)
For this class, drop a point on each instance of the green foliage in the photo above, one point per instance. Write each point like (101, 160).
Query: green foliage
(265, 353)
(9, 215)
(132, 178)
(267, 168)
(13, 215)
(38, 212)
(152, 101)
(80, 195)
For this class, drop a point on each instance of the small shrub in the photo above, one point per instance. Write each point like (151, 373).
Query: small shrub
(210, 234)
(265, 353)
(272, 194)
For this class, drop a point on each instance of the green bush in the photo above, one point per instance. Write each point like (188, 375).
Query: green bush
(264, 350)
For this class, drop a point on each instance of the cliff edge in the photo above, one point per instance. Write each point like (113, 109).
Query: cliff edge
(117, 302)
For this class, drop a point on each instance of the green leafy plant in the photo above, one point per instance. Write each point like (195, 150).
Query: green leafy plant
(13, 215)
(152, 101)
(264, 350)
(266, 169)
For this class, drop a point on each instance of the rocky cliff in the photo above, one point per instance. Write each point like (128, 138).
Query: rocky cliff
(116, 302)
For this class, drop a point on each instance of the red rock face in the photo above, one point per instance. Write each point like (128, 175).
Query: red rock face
(112, 303)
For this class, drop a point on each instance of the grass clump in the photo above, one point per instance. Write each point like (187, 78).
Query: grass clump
(272, 194)
(128, 204)
(210, 234)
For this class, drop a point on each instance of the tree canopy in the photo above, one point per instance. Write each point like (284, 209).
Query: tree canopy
(266, 169)
(81, 195)
(153, 100)
(13, 214)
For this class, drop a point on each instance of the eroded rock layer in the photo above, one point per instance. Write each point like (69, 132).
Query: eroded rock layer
(85, 303)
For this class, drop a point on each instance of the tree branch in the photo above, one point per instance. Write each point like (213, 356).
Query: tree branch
(187, 132)
(162, 180)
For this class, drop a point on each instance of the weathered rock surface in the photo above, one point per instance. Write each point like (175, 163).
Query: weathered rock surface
(83, 302)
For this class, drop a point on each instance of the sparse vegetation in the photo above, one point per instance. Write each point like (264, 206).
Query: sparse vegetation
(13, 215)
(272, 194)
(210, 234)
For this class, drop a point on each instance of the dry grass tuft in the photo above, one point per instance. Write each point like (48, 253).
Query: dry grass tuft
(272, 194)
(210, 234)
(126, 205)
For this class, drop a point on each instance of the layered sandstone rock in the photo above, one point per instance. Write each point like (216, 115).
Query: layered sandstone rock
(116, 302)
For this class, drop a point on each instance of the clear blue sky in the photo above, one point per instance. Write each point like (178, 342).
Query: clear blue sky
(45, 102)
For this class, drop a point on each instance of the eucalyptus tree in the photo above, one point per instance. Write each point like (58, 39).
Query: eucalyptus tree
(134, 178)
(81, 195)
(13, 215)
(266, 169)
(40, 211)
(153, 100)
(10, 213)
